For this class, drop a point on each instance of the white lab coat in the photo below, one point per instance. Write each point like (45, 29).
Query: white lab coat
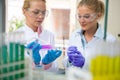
(76, 40)
(45, 37)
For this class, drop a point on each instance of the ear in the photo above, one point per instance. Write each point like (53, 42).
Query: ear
(98, 16)
(24, 11)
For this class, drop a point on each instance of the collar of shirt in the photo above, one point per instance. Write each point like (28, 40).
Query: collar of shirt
(98, 34)
(39, 31)
(29, 29)
(83, 40)
(31, 32)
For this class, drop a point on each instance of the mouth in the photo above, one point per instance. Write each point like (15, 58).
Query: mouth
(83, 24)
(39, 21)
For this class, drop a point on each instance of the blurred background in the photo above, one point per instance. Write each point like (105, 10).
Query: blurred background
(61, 19)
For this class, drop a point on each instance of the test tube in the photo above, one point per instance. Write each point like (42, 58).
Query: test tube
(46, 47)
(92, 66)
(105, 57)
(0, 53)
(4, 57)
(0, 59)
(11, 55)
(46, 44)
(16, 52)
(16, 49)
(21, 52)
(117, 58)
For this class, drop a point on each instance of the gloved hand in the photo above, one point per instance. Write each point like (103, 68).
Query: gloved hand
(78, 60)
(35, 49)
(70, 52)
(51, 56)
(75, 57)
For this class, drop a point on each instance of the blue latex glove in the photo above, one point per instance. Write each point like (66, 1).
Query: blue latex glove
(35, 49)
(51, 56)
(75, 57)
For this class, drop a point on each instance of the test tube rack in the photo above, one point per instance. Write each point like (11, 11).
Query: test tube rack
(13, 65)
(105, 67)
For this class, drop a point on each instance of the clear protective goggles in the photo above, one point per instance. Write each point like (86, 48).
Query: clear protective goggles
(86, 17)
(36, 13)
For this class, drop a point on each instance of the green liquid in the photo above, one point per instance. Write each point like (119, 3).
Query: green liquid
(4, 58)
(16, 52)
(4, 54)
(0, 59)
(16, 49)
(11, 77)
(16, 76)
(5, 78)
(22, 66)
(11, 48)
(22, 52)
(22, 75)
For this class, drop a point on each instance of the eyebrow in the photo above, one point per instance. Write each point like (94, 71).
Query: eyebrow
(85, 14)
(40, 9)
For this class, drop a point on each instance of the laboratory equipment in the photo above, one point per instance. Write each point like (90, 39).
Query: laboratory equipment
(31, 44)
(12, 62)
(105, 65)
(47, 47)
(49, 57)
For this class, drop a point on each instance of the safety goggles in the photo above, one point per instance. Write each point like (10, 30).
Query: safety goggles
(87, 17)
(36, 13)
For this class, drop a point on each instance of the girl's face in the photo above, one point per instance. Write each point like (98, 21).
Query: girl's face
(87, 18)
(35, 14)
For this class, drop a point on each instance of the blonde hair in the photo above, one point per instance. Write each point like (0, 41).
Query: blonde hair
(95, 5)
(26, 4)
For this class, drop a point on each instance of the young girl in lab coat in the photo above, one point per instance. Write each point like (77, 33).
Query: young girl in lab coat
(89, 12)
(35, 12)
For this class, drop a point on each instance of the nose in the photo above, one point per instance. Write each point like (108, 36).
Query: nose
(40, 15)
(81, 20)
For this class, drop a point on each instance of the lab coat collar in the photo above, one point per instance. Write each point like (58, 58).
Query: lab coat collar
(98, 34)
(79, 31)
(30, 30)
